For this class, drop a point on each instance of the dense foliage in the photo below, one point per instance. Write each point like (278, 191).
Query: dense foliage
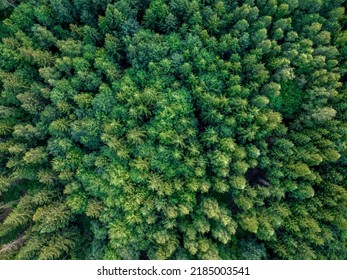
(173, 129)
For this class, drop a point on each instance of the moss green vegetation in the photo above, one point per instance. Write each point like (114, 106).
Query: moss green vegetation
(173, 129)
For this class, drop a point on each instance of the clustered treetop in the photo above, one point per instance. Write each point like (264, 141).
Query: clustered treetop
(173, 129)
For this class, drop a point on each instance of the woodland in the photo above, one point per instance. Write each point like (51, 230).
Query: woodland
(173, 129)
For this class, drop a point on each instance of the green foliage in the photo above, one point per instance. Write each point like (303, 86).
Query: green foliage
(173, 129)
(290, 100)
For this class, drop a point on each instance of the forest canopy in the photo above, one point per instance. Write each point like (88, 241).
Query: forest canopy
(173, 129)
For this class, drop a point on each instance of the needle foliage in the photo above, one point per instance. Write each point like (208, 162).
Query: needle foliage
(173, 129)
